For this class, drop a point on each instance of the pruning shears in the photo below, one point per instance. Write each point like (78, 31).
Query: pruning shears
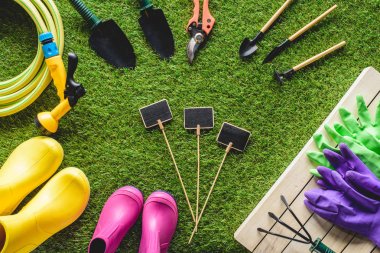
(199, 31)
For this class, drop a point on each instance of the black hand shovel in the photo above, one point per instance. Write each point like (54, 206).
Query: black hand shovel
(249, 47)
(156, 29)
(107, 39)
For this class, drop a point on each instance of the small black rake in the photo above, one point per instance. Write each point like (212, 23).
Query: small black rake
(316, 245)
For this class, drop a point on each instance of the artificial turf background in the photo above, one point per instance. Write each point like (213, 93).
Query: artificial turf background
(104, 135)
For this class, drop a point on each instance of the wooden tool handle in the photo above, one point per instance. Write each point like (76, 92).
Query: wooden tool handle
(276, 15)
(319, 56)
(311, 24)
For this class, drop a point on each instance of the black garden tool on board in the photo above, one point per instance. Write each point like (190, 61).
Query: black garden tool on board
(277, 50)
(316, 246)
(156, 29)
(107, 39)
(248, 47)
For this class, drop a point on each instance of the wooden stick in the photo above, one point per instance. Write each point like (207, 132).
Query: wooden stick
(199, 168)
(176, 168)
(275, 16)
(211, 189)
(311, 24)
(319, 56)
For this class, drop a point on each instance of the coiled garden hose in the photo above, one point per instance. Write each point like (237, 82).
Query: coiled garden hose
(20, 91)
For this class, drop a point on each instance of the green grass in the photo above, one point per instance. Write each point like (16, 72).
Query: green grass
(104, 135)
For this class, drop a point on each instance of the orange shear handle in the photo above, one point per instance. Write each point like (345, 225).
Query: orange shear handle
(195, 17)
(208, 20)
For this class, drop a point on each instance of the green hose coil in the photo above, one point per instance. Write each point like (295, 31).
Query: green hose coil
(22, 90)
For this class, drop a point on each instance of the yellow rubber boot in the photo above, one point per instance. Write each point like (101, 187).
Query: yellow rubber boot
(59, 203)
(30, 164)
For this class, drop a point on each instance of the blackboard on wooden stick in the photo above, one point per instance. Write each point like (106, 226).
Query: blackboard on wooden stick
(229, 133)
(155, 115)
(199, 116)
(232, 137)
(152, 113)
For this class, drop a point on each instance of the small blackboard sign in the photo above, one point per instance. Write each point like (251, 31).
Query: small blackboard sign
(202, 116)
(157, 111)
(232, 134)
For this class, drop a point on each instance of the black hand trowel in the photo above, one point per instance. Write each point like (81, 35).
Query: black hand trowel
(107, 39)
(156, 29)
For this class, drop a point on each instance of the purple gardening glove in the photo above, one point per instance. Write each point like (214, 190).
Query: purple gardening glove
(346, 207)
(351, 198)
(352, 170)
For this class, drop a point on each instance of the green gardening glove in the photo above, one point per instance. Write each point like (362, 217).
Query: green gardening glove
(366, 132)
(362, 137)
(369, 157)
(318, 158)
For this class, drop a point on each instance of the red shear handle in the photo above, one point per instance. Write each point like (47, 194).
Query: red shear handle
(195, 17)
(208, 21)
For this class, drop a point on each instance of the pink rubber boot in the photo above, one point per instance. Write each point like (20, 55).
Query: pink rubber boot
(159, 222)
(119, 214)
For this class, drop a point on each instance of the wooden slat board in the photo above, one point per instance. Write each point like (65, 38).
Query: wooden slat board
(296, 179)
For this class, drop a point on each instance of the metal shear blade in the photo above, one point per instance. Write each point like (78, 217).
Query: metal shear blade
(199, 30)
(194, 44)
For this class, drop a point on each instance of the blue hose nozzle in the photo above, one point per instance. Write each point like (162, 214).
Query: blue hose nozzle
(49, 47)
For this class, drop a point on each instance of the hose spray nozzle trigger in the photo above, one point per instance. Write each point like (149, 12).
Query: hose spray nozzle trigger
(73, 90)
